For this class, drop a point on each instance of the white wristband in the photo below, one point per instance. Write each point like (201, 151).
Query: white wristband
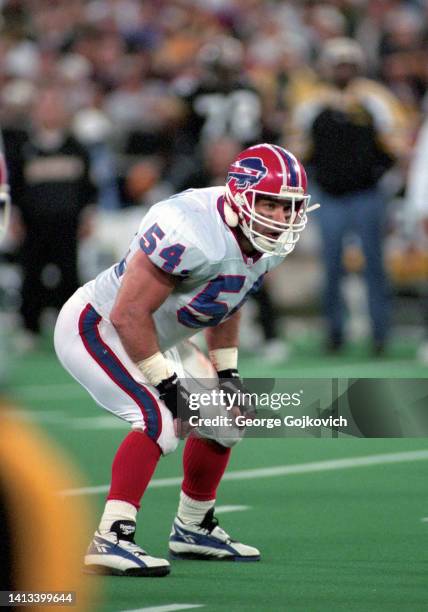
(224, 358)
(155, 368)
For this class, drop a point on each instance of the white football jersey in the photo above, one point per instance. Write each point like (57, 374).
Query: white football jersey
(186, 236)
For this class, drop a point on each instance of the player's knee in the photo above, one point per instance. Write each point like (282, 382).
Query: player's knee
(168, 444)
(167, 440)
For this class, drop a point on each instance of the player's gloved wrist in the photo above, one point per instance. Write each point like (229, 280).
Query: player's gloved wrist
(232, 384)
(229, 373)
(175, 397)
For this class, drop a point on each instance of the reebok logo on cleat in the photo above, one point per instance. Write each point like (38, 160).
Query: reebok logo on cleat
(126, 529)
(189, 539)
(184, 536)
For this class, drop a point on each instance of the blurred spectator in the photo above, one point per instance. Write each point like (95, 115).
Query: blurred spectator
(93, 129)
(351, 131)
(144, 185)
(416, 217)
(145, 116)
(325, 22)
(51, 191)
(220, 101)
(403, 57)
(212, 165)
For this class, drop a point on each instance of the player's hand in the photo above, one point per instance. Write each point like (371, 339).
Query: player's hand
(176, 399)
(232, 384)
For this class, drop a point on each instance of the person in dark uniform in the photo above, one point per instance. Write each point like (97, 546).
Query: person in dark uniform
(220, 101)
(51, 189)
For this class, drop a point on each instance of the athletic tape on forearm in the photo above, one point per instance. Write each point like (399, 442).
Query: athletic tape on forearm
(155, 368)
(224, 358)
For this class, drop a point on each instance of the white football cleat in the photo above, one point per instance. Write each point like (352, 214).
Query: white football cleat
(207, 541)
(116, 554)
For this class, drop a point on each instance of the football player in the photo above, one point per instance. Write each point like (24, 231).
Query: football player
(192, 264)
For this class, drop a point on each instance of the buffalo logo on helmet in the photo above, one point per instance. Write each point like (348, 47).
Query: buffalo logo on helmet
(247, 172)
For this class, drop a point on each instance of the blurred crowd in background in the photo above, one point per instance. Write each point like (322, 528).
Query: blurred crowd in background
(153, 96)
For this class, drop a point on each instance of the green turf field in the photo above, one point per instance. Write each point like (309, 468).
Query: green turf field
(352, 537)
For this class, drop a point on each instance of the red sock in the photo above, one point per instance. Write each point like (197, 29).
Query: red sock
(204, 464)
(133, 467)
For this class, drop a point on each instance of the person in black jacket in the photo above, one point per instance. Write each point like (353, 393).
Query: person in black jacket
(350, 130)
(51, 190)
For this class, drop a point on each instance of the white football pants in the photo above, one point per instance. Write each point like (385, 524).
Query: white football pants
(91, 351)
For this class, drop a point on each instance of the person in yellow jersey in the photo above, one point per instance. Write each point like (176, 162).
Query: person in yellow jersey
(41, 533)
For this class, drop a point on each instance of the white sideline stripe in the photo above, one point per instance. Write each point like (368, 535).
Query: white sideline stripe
(100, 422)
(87, 490)
(281, 470)
(50, 392)
(168, 608)
(56, 417)
(224, 509)
(41, 416)
(424, 519)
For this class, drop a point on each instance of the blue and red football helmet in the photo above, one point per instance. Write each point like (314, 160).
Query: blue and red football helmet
(271, 172)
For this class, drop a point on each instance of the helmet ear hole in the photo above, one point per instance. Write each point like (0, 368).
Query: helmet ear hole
(230, 215)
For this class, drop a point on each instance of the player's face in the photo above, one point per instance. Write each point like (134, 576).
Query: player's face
(274, 210)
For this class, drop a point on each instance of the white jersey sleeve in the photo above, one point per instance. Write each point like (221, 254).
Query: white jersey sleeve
(166, 237)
